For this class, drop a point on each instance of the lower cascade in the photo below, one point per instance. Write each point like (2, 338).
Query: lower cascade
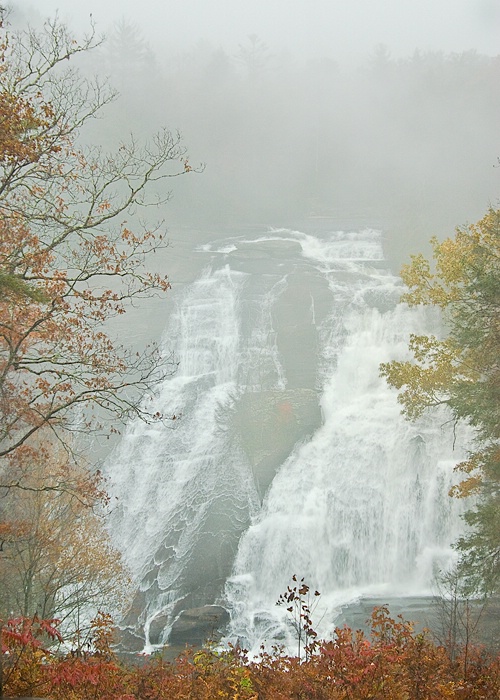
(288, 454)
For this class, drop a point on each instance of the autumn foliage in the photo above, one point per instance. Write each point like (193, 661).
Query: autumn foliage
(71, 254)
(395, 663)
(461, 371)
(57, 558)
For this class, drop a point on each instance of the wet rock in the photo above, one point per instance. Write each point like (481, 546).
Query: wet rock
(271, 423)
(130, 641)
(197, 625)
(157, 629)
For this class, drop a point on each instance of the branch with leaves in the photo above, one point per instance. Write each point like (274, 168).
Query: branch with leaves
(72, 254)
(300, 605)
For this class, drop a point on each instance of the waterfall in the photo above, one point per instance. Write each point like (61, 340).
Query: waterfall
(288, 454)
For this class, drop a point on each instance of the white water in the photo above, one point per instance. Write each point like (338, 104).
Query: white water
(358, 504)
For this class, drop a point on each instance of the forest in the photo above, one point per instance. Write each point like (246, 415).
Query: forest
(79, 226)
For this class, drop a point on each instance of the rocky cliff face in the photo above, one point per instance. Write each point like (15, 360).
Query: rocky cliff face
(270, 424)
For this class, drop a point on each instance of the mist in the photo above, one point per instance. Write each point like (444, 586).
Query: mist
(391, 125)
(313, 28)
(383, 113)
(363, 114)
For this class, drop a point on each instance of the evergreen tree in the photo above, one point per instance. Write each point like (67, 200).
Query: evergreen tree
(463, 371)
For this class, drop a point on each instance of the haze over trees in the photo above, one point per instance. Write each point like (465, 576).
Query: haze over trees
(408, 144)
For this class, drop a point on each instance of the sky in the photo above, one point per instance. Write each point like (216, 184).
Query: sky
(335, 28)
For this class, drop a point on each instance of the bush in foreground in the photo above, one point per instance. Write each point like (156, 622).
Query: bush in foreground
(396, 663)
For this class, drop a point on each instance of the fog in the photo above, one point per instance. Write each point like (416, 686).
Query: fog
(376, 113)
(333, 28)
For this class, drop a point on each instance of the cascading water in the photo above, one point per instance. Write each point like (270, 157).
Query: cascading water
(290, 454)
